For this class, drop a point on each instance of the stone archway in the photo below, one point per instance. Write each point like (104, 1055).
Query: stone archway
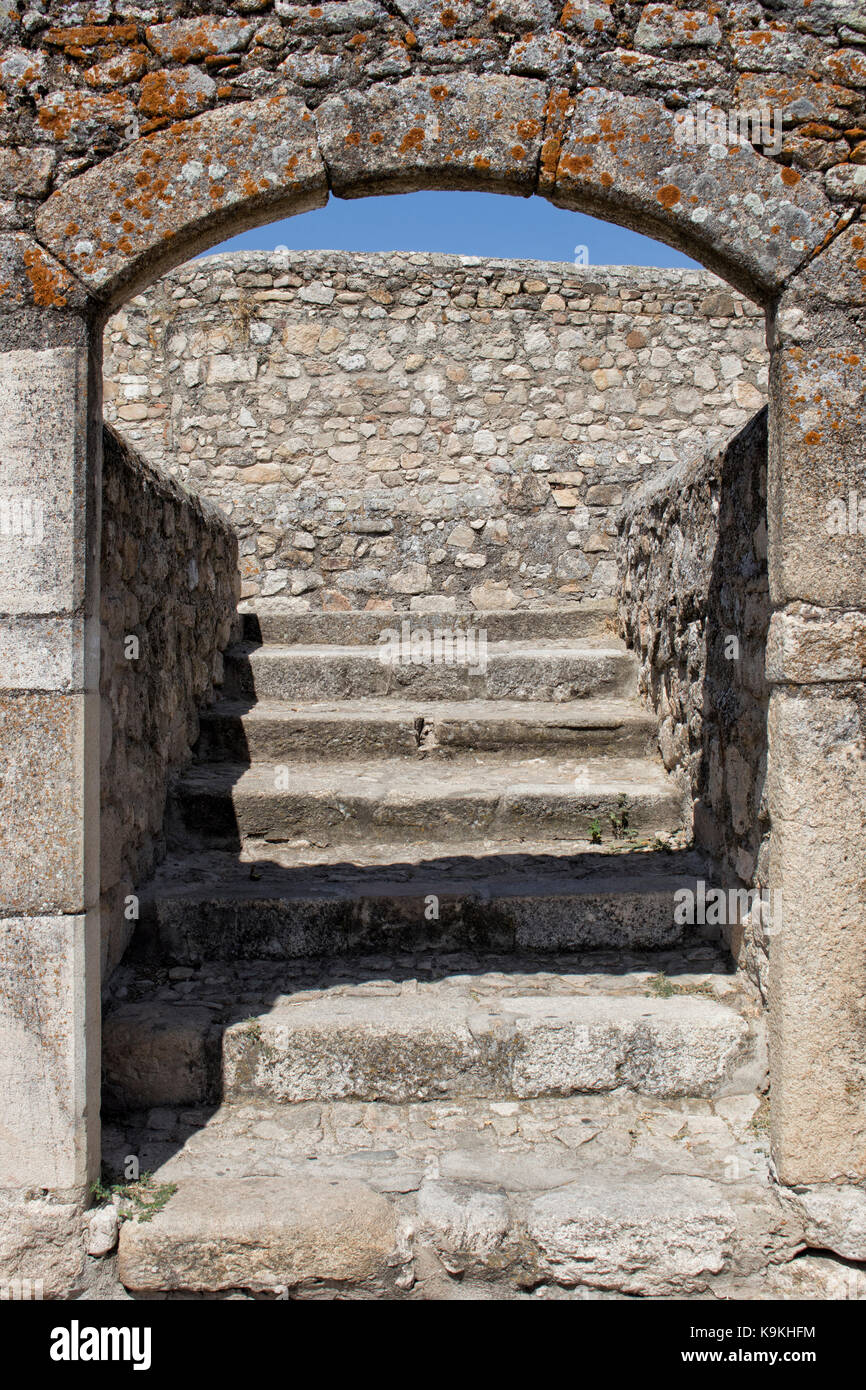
(133, 216)
(159, 198)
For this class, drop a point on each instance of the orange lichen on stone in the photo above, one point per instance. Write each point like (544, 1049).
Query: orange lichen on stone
(118, 69)
(816, 130)
(46, 280)
(90, 35)
(189, 40)
(412, 140)
(63, 110)
(576, 164)
(848, 66)
(790, 176)
(159, 93)
(558, 106)
(23, 77)
(167, 93)
(669, 195)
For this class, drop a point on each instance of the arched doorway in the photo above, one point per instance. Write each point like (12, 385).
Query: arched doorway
(117, 226)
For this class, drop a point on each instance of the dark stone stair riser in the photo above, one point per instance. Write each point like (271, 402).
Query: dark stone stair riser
(184, 931)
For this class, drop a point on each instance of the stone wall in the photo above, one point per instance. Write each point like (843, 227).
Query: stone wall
(695, 606)
(402, 429)
(169, 581)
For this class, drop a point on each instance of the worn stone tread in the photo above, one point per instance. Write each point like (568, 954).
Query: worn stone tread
(277, 620)
(532, 648)
(434, 1042)
(567, 669)
(606, 714)
(442, 1025)
(508, 869)
(609, 1195)
(453, 799)
(274, 729)
(256, 1233)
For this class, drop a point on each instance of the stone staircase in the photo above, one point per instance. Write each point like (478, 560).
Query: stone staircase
(408, 1012)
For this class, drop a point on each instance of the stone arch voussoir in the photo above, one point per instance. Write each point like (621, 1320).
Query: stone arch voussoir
(123, 223)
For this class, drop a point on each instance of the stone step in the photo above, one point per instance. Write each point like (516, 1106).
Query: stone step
(273, 730)
(208, 907)
(367, 1032)
(576, 669)
(608, 1195)
(416, 1048)
(259, 1234)
(458, 800)
(276, 620)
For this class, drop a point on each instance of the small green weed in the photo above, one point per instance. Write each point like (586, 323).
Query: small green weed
(147, 1197)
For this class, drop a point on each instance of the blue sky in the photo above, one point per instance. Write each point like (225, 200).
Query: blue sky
(470, 224)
